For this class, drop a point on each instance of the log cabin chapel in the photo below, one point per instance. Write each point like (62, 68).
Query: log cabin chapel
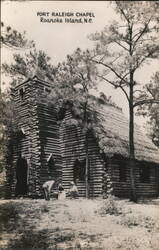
(46, 147)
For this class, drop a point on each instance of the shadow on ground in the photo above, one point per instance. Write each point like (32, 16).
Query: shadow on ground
(78, 224)
(30, 240)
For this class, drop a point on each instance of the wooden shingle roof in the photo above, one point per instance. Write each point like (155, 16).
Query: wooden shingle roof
(114, 136)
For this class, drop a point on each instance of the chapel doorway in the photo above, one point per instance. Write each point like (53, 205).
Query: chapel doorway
(21, 177)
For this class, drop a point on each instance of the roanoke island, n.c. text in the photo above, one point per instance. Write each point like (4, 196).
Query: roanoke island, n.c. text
(66, 17)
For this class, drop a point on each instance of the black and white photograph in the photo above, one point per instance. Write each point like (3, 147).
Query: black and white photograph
(79, 125)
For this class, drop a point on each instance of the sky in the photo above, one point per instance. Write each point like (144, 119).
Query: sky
(60, 39)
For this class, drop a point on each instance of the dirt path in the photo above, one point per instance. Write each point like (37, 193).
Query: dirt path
(78, 224)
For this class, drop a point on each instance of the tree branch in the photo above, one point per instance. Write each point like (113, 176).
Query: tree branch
(123, 13)
(144, 58)
(140, 91)
(109, 67)
(151, 101)
(121, 45)
(149, 90)
(115, 85)
(142, 32)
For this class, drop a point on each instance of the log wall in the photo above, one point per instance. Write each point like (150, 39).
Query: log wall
(38, 142)
(26, 144)
(49, 143)
(143, 189)
(72, 148)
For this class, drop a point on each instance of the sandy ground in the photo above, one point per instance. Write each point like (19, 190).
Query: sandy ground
(79, 224)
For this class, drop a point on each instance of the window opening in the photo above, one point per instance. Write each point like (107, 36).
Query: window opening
(21, 133)
(144, 174)
(21, 93)
(51, 162)
(122, 172)
(79, 170)
(47, 90)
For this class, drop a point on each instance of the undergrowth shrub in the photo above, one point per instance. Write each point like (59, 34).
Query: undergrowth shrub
(9, 215)
(8, 211)
(131, 220)
(30, 240)
(111, 206)
(44, 209)
(128, 242)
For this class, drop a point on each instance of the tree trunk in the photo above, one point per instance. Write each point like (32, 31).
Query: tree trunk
(133, 196)
(87, 168)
